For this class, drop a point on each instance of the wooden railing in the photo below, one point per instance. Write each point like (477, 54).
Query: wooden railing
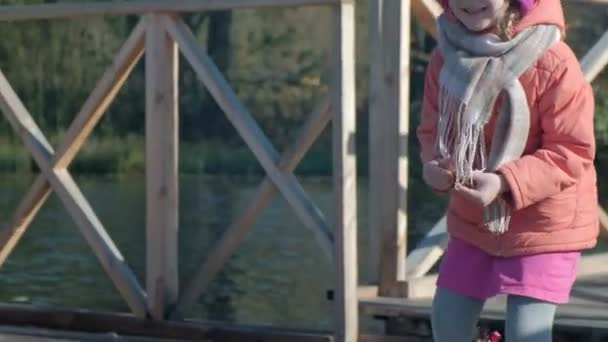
(162, 34)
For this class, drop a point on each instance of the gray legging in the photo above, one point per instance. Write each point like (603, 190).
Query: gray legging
(455, 316)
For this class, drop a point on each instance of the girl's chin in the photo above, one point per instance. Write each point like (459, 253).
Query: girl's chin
(479, 27)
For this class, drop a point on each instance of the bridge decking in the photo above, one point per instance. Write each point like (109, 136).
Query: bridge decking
(588, 307)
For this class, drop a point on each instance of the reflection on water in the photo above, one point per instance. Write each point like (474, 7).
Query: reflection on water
(278, 276)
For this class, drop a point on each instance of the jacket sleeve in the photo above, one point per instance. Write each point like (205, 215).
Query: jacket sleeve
(427, 129)
(567, 143)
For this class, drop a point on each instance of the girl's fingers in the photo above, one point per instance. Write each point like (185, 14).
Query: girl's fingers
(445, 163)
(470, 194)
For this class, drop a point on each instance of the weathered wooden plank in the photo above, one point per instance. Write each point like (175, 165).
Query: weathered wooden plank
(596, 2)
(128, 325)
(304, 208)
(603, 223)
(82, 9)
(95, 234)
(345, 172)
(162, 142)
(32, 334)
(88, 117)
(74, 201)
(102, 95)
(596, 58)
(592, 265)
(376, 146)
(22, 218)
(395, 127)
(426, 12)
(422, 287)
(236, 232)
(592, 64)
(387, 338)
(428, 251)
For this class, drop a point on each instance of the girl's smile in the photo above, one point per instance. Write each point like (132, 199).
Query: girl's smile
(478, 15)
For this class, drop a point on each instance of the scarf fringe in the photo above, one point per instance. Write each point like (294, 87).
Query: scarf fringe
(461, 139)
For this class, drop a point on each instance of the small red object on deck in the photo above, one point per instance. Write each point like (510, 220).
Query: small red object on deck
(495, 337)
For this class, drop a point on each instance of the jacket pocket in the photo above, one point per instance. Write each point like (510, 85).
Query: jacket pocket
(552, 213)
(466, 210)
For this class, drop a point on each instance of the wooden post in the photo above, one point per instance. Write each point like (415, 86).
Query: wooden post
(592, 64)
(426, 12)
(393, 161)
(428, 251)
(375, 134)
(161, 167)
(344, 172)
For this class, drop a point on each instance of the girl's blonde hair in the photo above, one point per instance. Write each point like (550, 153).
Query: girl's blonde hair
(507, 22)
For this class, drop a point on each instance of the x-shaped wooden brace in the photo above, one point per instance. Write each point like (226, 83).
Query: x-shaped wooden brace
(279, 171)
(55, 175)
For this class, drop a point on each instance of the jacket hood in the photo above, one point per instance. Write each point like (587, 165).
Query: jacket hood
(546, 12)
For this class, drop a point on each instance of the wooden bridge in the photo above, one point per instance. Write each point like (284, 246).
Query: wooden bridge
(404, 287)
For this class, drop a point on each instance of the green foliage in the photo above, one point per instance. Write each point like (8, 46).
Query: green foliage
(275, 59)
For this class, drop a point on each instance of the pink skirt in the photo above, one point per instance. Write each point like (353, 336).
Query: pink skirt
(470, 271)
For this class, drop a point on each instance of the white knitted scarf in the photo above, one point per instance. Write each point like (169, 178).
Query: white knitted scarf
(477, 69)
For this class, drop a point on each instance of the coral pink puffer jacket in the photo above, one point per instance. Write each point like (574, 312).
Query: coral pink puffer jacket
(553, 191)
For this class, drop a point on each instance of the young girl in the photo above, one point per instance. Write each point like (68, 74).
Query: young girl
(507, 130)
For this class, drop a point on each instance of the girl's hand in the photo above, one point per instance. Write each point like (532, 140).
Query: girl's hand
(437, 174)
(486, 187)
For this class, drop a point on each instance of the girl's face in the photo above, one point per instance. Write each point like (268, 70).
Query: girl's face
(478, 15)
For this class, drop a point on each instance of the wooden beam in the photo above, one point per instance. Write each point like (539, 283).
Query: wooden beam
(603, 223)
(74, 201)
(388, 338)
(22, 218)
(82, 9)
(102, 95)
(242, 120)
(422, 287)
(376, 136)
(592, 265)
(86, 119)
(593, 2)
(128, 325)
(426, 12)
(33, 334)
(428, 251)
(596, 58)
(395, 127)
(345, 172)
(162, 141)
(592, 65)
(236, 232)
